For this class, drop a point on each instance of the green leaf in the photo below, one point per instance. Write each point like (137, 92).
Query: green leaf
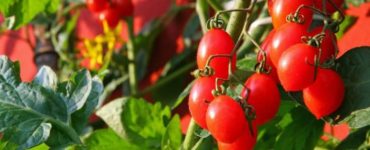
(111, 114)
(184, 94)
(107, 139)
(355, 139)
(9, 70)
(247, 63)
(46, 77)
(80, 118)
(137, 120)
(172, 137)
(354, 68)
(76, 90)
(25, 11)
(302, 132)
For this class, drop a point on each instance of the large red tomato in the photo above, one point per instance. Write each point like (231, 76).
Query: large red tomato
(263, 95)
(266, 46)
(225, 119)
(296, 67)
(327, 45)
(199, 99)
(325, 95)
(245, 142)
(286, 36)
(282, 8)
(215, 42)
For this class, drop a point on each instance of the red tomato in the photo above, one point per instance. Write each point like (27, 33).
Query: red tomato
(328, 44)
(225, 119)
(97, 5)
(295, 69)
(124, 7)
(325, 95)
(282, 8)
(245, 142)
(270, 4)
(214, 42)
(109, 15)
(199, 99)
(263, 95)
(330, 9)
(266, 46)
(288, 35)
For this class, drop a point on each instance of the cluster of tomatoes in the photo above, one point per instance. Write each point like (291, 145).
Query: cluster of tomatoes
(301, 57)
(292, 55)
(110, 11)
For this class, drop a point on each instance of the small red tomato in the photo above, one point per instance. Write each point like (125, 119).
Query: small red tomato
(225, 119)
(282, 8)
(325, 95)
(288, 35)
(270, 4)
(199, 99)
(296, 67)
(97, 5)
(216, 42)
(327, 45)
(266, 46)
(330, 9)
(263, 95)
(109, 15)
(245, 142)
(124, 7)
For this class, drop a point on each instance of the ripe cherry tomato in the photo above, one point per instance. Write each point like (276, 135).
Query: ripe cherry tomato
(215, 42)
(225, 119)
(199, 99)
(328, 43)
(263, 95)
(266, 46)
(296, 67)
(109, 15)
(97, 5)
(288, 35)
(282, 8)
(325, 95)
(245, 142)
(124, 7)
(270, 4)
(330, 9)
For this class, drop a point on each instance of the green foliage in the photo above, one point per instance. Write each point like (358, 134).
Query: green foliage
(21, 12)
(107, 139)
(293, 128)
(144, 125)
(354, 68)
(36, 112)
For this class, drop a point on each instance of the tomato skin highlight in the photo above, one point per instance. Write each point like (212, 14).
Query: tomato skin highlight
(296, 67)
(325, 95)
(282, 8)
(327, 44)
(263, 95)
(109, 15)
(266, 46)
(245, 142)
(225, 119)
(216, 41)
(285, 37)
(199, 99)
(97, 5)
(124, 7)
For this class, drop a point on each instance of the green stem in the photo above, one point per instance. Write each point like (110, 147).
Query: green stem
(202, 10)
(168, 79)
(218, 7)
(190, 138)
(131, 57)
(237, 19)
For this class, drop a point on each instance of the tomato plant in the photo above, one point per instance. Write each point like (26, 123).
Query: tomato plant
(116, 74)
